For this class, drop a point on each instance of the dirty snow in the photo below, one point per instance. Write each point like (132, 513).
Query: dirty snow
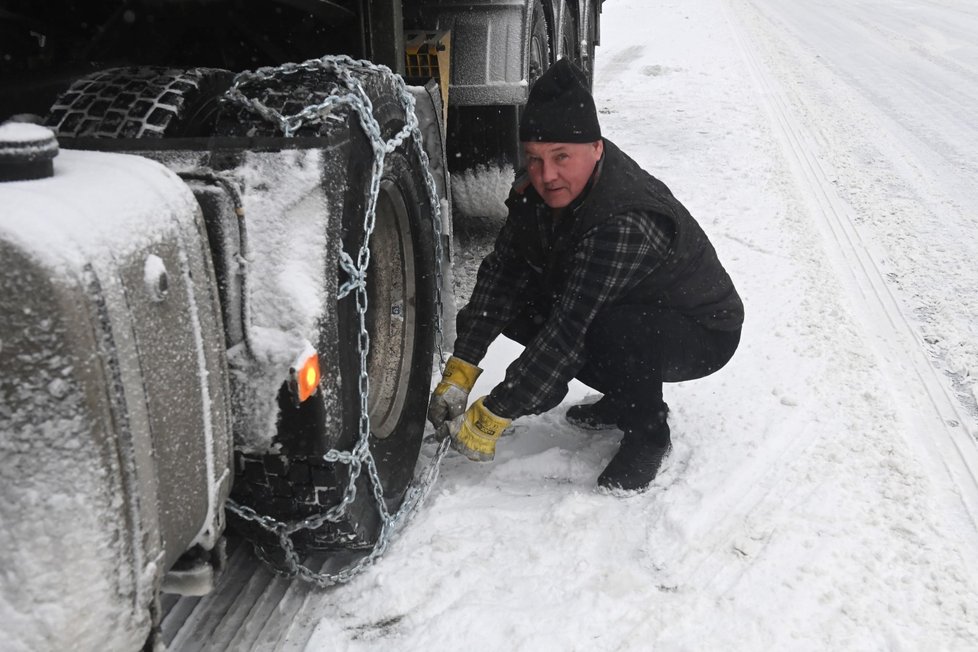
(821, 493)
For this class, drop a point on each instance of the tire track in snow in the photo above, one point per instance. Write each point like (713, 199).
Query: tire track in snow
(616, 66)
(937, 418)
(886, 96)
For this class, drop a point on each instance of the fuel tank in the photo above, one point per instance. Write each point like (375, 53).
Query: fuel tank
(114, 421)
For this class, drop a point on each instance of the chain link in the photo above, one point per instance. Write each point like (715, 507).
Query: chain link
(352, 96)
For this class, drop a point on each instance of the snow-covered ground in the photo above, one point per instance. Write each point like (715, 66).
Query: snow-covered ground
(821, 493)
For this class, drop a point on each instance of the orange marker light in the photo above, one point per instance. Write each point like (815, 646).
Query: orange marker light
(307, 378)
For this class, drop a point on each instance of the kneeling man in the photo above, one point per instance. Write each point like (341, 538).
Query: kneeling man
(604, 276)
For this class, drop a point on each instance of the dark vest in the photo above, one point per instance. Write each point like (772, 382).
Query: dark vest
(690, 279)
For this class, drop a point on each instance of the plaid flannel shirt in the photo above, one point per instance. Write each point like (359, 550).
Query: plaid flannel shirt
(608, 262)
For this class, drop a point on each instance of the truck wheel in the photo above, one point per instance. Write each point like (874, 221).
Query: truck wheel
(144, 102)
(297, 483)
(401, 319)
(569, 45)
(541, 52)
(590, 31)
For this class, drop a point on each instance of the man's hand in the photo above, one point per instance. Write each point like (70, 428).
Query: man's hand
(475, 433)
(451, 395)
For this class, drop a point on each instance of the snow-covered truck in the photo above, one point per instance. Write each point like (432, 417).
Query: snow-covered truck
(216, 282)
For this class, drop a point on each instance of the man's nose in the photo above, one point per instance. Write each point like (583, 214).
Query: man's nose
(549, 172)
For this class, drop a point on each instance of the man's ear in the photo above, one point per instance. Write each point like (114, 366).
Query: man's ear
(598, 149)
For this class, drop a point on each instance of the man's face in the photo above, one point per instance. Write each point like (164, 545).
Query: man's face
(559, 171)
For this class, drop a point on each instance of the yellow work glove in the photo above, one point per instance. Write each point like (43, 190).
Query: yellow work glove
(474, 434)
(451, 395)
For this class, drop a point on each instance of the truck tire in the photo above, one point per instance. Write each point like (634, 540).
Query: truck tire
(541, 46)
(297, 483)
(569, 42)
(401, 288)
(590, 31)
(150, 102)
(140, 102)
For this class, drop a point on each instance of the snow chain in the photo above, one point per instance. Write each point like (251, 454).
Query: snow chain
(354, 98)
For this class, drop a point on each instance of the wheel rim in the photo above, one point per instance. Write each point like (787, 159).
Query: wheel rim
(391, 315)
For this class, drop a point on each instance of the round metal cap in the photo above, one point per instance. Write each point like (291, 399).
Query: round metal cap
(27, 151)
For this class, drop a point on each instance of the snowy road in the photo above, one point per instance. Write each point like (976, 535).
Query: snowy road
(886, 93)
(821, 493)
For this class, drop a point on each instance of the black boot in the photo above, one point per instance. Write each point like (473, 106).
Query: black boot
(602, 415)
(642, 449)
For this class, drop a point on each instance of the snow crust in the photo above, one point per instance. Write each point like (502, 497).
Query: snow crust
(25, 138)
(23, 132)
(810, 502)
(288, 227)
(288, 231)
(78, 216)
(287, 217)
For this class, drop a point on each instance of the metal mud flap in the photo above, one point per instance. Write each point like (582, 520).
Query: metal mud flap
(114, 423)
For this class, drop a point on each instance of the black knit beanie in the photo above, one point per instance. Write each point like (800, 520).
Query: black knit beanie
(560, 108)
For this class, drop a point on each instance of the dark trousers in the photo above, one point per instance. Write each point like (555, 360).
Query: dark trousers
(632, 350)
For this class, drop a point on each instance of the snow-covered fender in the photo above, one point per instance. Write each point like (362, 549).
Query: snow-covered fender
(114, 420)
